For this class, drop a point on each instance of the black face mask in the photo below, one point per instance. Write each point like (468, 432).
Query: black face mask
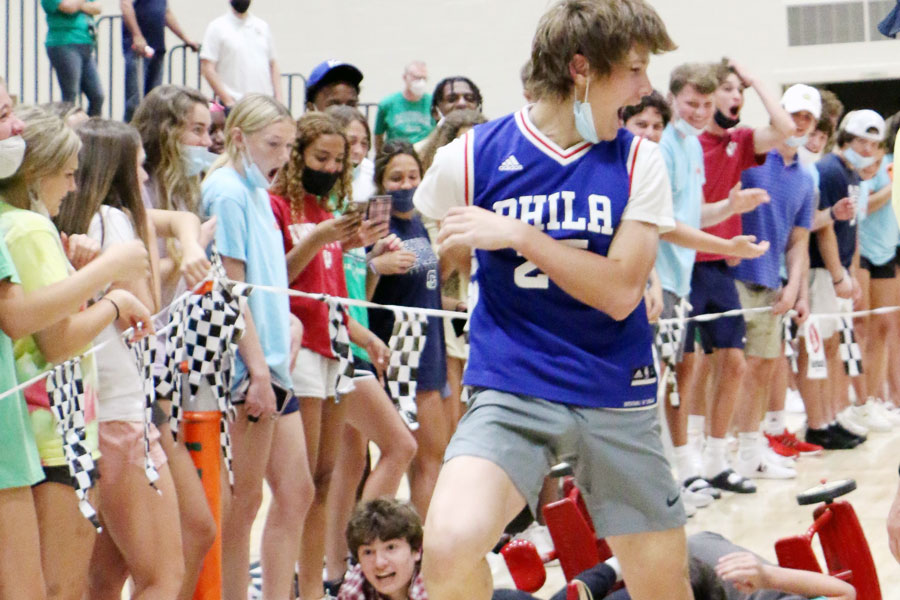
(318, 183)
(240, 6)
(724, 121)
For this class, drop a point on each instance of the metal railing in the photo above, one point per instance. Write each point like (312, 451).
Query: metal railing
(291, 79)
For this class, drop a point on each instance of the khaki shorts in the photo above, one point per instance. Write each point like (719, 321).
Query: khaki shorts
(765, 331)
(617, 456)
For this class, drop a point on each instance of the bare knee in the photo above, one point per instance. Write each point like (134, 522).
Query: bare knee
(245, 504)
(734, 363)
(401, 451)
(199, 530)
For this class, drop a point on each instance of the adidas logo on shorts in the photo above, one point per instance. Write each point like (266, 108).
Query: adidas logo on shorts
(510, 164)
(643, 376)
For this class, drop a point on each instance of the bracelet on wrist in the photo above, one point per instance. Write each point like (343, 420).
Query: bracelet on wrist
(116, 306)
(373, 269)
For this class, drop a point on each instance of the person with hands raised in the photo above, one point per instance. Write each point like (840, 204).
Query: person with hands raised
(267, 436)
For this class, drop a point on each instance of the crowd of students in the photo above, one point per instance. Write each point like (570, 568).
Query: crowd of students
(104, 223)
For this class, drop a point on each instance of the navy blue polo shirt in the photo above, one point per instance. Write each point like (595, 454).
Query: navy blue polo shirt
(151, 18)
(835, 181)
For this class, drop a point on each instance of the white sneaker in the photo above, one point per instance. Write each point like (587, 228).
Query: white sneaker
(787, 461)
(871, 417)
(889, 411)
(852, 422)
(763, 466)
(538, 535)
(697, 499)
(689, 509)
(793, 402)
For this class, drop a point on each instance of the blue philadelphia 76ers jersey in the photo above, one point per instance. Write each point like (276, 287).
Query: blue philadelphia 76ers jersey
(528, 336)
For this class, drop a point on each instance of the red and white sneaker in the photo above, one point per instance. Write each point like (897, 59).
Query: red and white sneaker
(788, 441)
(780, 448)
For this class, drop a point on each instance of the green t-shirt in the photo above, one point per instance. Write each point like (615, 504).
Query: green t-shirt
(40, 260)
(20, 465)
(64, 29)
(398, 118)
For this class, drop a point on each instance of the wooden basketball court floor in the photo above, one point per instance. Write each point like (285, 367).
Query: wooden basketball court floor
(756, 521)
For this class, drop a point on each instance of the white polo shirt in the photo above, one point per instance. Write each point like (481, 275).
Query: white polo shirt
(241, 48)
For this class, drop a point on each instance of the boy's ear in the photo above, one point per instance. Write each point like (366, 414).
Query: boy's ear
(418, 555)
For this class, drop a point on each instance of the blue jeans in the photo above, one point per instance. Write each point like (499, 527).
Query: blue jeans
(153, 73)
(76, 72)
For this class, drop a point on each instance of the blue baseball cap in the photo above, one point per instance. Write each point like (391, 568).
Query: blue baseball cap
(331, 71)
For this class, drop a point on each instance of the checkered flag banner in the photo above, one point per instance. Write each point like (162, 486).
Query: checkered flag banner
(669, 341)
(406, 345)
(144, 353)
(202, 347)
(65, 389)
(850, 352)
(790, 351)
(340, 345)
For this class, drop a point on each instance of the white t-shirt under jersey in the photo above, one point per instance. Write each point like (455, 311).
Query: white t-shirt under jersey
(120, 390)
(242, 50)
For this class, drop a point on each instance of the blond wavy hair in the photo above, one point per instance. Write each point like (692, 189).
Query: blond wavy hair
(252, 113)
(161, 119)
(288, 183)
(49, 145)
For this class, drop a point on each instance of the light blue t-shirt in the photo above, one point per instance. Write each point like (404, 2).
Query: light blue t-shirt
(878, 232)
(246, 230)
(684, 161)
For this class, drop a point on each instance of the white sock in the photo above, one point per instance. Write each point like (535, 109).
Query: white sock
(749, 444)
(696, 430)
(613, 563)
(774, 423)
(685, 462)
(715, 459)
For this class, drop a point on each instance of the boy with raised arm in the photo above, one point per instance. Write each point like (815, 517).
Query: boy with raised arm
(564, 235)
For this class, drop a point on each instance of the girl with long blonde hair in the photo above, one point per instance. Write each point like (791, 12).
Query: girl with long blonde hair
(267, 436)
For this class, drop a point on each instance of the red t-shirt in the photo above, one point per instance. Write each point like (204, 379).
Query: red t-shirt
(324, 274)
(724, 158)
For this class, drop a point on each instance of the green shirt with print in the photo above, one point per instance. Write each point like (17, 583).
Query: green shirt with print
(399, 118)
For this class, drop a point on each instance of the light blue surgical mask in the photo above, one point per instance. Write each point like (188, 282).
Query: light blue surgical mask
(858, 160)
(253, 173)
(584, 118)
(796, 141)
(196, 159)
(686, 129)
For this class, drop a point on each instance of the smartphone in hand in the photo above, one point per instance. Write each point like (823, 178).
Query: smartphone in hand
(379, 210)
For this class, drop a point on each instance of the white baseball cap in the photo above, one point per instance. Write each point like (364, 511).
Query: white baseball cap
(802, 97)
(858, 123)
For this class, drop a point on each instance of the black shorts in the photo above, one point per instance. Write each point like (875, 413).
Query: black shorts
(60, 474)
(712, 291)
(886, 271)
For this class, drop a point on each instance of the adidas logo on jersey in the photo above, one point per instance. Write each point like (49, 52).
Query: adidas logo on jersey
(510, 164)
(643, 376)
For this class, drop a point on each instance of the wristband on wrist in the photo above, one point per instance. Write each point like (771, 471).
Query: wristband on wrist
(116, 306)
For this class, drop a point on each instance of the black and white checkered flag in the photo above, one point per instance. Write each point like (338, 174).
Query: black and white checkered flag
(669, 342)
(406, 345)
(65, 389)
(340, 345)
(789, 350)
(850, 352)
(144, 352)
(202, 347)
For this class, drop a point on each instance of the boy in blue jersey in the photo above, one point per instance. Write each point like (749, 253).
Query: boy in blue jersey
(564, 227)
(785, 222)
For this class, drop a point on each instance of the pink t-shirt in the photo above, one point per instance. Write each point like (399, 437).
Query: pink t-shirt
(724, 159)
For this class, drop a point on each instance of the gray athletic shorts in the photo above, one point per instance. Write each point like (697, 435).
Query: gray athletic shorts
(616, 455)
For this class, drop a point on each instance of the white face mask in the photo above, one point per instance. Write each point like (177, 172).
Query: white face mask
(12, 152)
(796, 141)
(418, 87)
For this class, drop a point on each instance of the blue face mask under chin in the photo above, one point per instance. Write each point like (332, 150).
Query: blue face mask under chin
(196, 159)
(253, 174)
(796, 141)
(584, 118)
(686, 129)
(858, 160)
